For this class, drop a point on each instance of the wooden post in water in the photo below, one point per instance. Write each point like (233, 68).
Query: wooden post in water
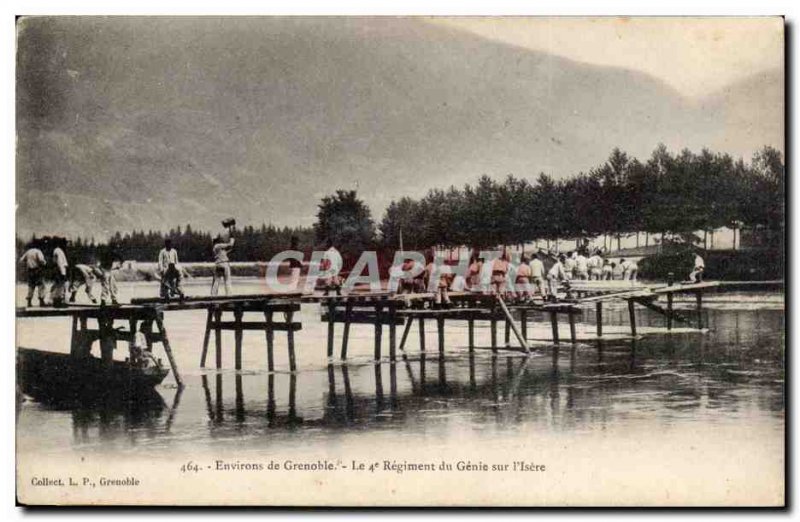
(378, 332)
(75, 342)
(206, 337)
(471, 334)
(392, 333)
(440, 331)
(669, 311)
(670, 280)
(523, 317)
(167, 348)
(406, 330)
(107, 339)
(422, 334)
(270, 341)
(699, 295)
(510, 323)
(132, 327)
(237, 334)
(290, 341)
(599, 317)
(493, 330)
(632, 316)
(348, 309)
(554, 325)
(331, 311)
(572, 334)
(218, 336)
(507, 333)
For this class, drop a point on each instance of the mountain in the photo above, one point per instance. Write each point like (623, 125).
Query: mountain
(151, 123)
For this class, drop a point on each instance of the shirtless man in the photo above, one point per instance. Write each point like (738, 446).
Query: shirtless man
(523, 289)
(441, 297)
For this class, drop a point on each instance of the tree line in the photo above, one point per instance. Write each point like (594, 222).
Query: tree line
(252, 244)
(670, 195)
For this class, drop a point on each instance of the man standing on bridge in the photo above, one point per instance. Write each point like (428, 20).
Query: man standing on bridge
(34, 262)
(58, 292)
(222, 265)
(168, 269)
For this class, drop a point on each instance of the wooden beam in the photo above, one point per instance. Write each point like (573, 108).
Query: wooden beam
(346, 333)
(440, 332)
(510, 323)
(206, 338)
(554, 326)
(237, 334)
(699, 297)
(257, 325)
(392, 334)
(599, 318)
(270, 334)
(168, 350)
(218, 337)
(331, 309)
(632, 316)
(669, 311)
(378, 332)
(290, 342)
(406, 330)
(422, 334)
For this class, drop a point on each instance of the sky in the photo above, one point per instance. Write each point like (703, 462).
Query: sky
(696, 56)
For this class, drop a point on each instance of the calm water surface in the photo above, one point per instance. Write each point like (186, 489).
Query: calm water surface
(727, 377)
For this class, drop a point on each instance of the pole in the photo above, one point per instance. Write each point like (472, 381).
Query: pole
(510, 322)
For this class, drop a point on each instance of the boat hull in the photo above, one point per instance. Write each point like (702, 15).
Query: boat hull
(57, 375)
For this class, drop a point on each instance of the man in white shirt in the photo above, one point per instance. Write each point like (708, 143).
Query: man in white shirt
(569, 264)
(83, 275)
(34, 262)
(58, 292)
(629, 269)
(696, 276)
(556, 274)
(581, 267)
(222, 265)
(169, 271)
(538, 275)
(331, 265)
(596, 266)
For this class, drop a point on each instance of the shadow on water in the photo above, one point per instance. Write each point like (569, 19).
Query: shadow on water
(115, 415)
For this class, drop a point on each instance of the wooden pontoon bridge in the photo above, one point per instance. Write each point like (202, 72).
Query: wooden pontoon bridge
(276, 313)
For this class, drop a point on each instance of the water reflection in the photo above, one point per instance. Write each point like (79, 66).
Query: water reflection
(110, 416)
(567, 387)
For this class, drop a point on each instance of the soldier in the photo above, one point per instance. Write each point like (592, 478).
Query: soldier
(34, 263)
(169, 271)
(83, 275)
(58, 292)
(222, 265)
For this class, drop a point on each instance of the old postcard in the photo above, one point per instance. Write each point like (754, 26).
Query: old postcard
(400, 261)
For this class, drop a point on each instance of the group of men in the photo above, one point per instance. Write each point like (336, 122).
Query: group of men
(46, 258)
(528, 273)
(171, 274)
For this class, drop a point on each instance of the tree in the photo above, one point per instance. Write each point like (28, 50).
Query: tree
(345, 221)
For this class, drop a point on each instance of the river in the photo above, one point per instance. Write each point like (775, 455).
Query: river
(685, 417)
